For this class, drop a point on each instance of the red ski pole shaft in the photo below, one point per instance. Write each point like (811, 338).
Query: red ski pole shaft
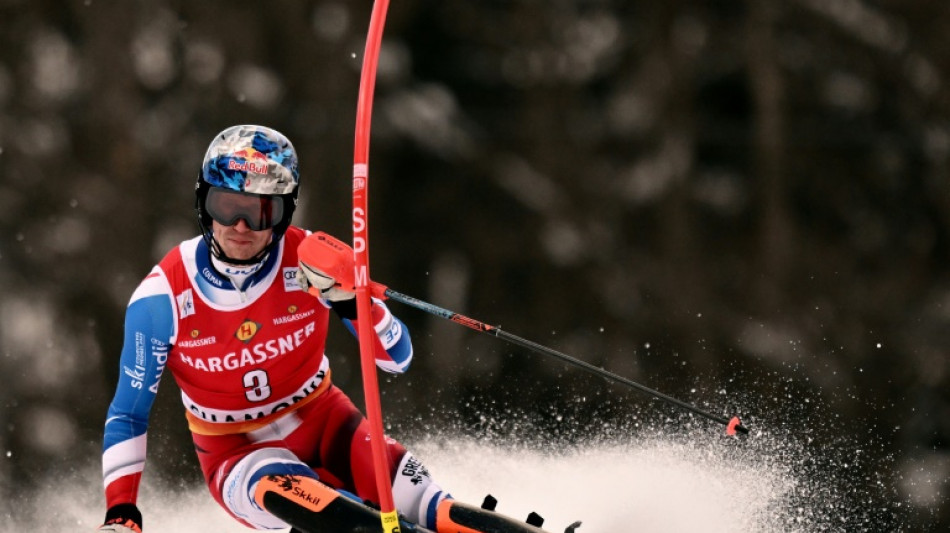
(366, 332)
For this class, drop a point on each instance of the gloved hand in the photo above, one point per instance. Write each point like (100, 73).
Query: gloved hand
(326, 267)
(321, 285)
(122, 518)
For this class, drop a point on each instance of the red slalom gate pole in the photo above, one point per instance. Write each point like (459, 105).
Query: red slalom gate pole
(366, 332)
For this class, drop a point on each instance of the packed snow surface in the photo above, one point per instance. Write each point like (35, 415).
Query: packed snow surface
(698, 480)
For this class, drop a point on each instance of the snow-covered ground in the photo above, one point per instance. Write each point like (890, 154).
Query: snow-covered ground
(701, 481)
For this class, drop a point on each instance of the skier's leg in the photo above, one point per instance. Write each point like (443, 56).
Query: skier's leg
(312, 507)
(270, 488)
(346, 457)
(238, 488)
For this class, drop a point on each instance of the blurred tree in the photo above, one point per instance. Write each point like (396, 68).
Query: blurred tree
(749, 196)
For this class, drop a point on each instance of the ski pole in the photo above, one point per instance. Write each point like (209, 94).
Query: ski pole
(733, 424)
(322, 249)
(374, 413)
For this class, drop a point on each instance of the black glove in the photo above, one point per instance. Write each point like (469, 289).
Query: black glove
(122, 518)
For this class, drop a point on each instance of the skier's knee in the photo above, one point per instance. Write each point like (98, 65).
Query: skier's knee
(238, 488)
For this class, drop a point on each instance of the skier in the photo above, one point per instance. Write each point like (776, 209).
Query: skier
(232, 315)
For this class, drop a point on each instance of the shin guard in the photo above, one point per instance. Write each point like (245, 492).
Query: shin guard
(312, 507)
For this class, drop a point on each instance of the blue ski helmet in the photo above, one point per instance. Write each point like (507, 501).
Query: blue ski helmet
(254, 161)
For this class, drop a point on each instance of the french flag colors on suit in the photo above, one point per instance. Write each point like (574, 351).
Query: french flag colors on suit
(228, 341)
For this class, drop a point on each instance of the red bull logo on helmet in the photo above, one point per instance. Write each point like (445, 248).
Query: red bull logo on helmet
(253, 161)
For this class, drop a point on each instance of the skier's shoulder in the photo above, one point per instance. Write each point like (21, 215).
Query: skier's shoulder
(292, 237)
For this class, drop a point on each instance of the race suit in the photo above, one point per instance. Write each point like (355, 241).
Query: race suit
(255, 384)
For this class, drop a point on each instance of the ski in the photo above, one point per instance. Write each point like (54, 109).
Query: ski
(313, 507)
(466, 518)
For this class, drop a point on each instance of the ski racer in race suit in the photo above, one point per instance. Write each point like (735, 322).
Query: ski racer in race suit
(225, 314)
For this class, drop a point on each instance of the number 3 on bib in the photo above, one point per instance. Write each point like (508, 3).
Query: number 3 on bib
(256, 383)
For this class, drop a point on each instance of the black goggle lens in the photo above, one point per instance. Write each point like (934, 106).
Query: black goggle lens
(260, 212)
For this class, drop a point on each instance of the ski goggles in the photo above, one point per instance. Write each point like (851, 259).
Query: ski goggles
(260, 212)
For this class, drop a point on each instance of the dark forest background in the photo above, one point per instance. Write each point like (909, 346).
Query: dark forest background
(744, 204)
